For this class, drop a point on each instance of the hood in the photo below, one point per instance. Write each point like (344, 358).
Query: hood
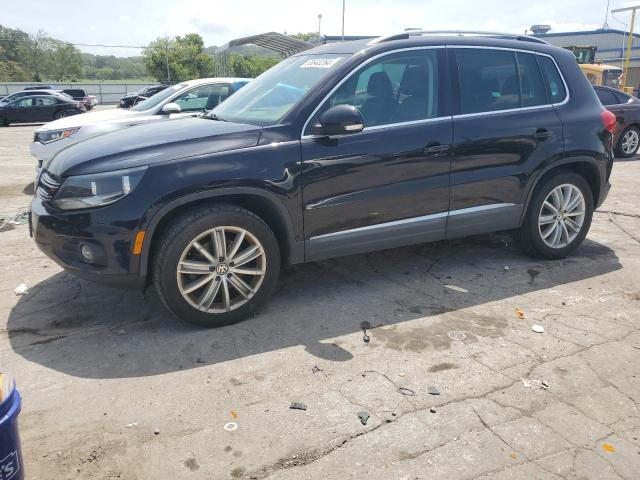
(86, 118)
(152, 143)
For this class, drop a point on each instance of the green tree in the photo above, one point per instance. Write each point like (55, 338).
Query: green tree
(34, 52)
(183, 57)
(250, 67)
(64, 61)
(305, 37)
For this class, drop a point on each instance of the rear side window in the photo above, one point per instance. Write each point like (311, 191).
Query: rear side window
(488, 80)
(555, 87)
(606, 97)
(531, 82)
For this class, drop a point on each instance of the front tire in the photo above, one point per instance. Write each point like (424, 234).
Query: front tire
(215, 265)
(558, 216)
(59, 114)
(628, 143)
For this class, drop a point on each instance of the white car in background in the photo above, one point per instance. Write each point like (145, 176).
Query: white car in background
(180, 100)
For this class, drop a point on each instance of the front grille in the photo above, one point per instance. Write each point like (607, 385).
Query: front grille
(47, 186)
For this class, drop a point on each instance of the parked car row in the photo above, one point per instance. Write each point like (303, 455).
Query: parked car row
(342, 149)
(131, 99)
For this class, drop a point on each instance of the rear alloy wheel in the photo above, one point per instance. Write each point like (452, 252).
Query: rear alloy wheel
(558, 216)
(59, 114)
(628, 143)
(215, 265)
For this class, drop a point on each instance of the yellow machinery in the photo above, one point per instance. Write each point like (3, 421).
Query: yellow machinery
(597, 73)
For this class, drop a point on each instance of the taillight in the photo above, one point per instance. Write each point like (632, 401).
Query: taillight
(608, 120)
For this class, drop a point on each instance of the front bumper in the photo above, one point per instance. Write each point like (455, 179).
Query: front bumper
(108, 232)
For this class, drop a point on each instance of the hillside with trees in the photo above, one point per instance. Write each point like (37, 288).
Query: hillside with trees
(38, 57)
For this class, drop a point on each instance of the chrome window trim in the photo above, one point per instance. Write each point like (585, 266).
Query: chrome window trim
(460, 115)
(433, 216)
(356, 70)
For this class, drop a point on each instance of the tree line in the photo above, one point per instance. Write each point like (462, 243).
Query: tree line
(39, 58)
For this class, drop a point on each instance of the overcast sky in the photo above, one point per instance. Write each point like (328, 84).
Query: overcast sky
(136, 22)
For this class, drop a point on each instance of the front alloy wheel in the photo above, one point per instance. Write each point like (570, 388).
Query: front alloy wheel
(214, 265)
(221, 269)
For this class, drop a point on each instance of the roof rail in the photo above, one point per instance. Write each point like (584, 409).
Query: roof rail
(473, 33)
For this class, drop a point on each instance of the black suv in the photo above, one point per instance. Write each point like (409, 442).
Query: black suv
(346, 148)
(130, 99)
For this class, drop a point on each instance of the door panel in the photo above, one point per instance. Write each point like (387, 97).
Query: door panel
(389, 184)
(495, 150)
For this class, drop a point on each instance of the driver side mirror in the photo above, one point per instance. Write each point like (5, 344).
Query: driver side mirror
(340, 120)
(171, 107)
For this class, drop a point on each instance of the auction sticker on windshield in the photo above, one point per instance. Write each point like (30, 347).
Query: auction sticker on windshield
(320, 62)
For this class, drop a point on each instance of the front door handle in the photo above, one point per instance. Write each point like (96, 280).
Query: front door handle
(542, 134)
(435, 148)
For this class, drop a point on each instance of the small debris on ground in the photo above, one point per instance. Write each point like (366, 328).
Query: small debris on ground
(538, 328)
(520, 313)
(456, 335)
(156, 431)
(316, 369)
(21, 289)
(8, 223)
(130, 425)
(456, 288)
(231, 426)
(297, 406)
(364, 417)
(534, 383)
(364, 325)
(433, 390)
(406, 391)
(432, 410)
(608, 448)
(514, 456)
(234, 414)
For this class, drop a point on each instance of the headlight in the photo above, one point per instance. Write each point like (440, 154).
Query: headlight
(97, 189)
(54, 135)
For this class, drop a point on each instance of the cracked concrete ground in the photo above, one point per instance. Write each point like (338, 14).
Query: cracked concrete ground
(100, 369)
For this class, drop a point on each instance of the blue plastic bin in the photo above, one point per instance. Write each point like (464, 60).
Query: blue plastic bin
(11, 467)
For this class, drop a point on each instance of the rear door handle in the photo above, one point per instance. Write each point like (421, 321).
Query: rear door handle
(542, 134)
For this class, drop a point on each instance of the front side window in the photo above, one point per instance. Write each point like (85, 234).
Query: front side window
(488, 80)
(397, 88)
(267, 99)
(25, 102)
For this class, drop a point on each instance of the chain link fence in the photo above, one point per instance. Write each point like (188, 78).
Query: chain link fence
(105, 92)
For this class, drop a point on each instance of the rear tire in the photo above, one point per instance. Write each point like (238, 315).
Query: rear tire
(59, 114)
(558, 216)
(200, 267)
(628, 142)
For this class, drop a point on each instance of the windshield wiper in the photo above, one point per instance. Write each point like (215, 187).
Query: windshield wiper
(213, 116)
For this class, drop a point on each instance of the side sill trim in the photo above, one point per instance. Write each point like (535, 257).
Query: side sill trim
(423, 218)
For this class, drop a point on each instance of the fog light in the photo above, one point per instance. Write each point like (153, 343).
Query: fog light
(87, 253)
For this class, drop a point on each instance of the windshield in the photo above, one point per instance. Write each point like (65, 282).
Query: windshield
(267, 99)
(161, 96)
(610, 78)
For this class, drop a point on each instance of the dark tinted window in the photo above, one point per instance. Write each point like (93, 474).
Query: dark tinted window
(606, 97)
(622, 97)
(531, 82)
(74, 92)
(555, 86)
(400, 87)
(488, 80)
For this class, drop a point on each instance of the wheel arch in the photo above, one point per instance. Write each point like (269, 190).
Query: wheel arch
(260, 202)
(587, 167)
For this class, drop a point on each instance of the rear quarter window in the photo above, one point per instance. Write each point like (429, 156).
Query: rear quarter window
(555, 86)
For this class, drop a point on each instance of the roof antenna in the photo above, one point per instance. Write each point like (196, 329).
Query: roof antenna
(605, 25)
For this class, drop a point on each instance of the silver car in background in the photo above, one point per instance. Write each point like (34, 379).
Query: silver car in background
(180, 100)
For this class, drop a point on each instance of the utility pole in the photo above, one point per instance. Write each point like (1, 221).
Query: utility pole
(166, 57)
(343, 8)
(605, 25)
(627, 54)
(319, 23)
